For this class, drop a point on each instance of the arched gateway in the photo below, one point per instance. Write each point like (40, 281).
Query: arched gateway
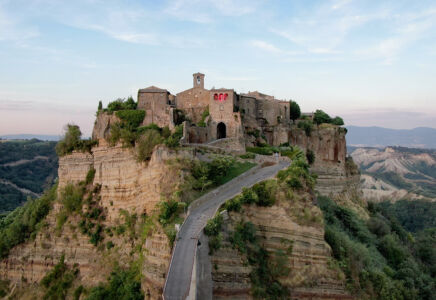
(221, 131)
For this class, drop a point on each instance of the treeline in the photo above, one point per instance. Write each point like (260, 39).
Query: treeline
(18, 167)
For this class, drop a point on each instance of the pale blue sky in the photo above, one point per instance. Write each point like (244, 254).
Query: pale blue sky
(372, 62)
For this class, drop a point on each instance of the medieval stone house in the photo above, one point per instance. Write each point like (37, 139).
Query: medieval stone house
(234, 119)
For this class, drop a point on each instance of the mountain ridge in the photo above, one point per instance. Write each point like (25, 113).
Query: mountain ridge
(374, 136)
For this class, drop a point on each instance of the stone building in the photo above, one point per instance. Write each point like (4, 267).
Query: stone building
(234, 120)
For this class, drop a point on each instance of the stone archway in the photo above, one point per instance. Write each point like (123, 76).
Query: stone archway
(221, 130)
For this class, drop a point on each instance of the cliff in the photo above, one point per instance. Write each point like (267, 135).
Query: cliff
(127, 188)
(292, 229)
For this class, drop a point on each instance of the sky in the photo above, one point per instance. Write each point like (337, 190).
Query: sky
(371, 62)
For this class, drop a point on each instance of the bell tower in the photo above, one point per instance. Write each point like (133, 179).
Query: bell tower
(198, 80)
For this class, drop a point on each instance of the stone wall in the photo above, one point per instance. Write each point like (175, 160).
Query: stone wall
(193, 102)
(156, 106)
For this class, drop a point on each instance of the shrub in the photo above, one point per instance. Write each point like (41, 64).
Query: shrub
(71, 197)
(167, 211)
(213, 226)
(58, 281)
(248, 156)
(310, 156)
(265, 192)
(146, 144)
(307, 126)
(131, 119)
(337, 121)
(204, 115)
(122, 284)
(72, 141)
(122, 104)
(173, 140)
(260, 150)
(320, 117)
(90, 175)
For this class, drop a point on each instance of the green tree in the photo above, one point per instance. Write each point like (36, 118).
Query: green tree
(71, 140)
(294, 111)
(338, 121)
(321, 117)
(100, 105)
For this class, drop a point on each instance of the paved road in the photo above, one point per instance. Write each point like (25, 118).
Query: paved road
(179, 274)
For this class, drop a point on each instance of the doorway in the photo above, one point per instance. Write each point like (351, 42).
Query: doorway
(221, 131)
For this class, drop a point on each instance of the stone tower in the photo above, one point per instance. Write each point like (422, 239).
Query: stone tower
(198, 80)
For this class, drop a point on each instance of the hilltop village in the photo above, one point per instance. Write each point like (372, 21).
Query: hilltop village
(131, 203)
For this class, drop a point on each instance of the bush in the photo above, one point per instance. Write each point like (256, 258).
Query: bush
(204, 115)
(58, 281)
(168, 210)
(131, 119)
(320, 117)
(71, 197)
(310, 156)
(122, 104)
(265, 192)
(72, 141)
(90, 175)
(248, 156)
(213, 226)
(260, 150)
(307, 126)
(173, 140)
(146, 144)
(122, 284)
(338, 121)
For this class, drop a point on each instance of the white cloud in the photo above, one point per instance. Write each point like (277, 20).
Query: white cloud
(266, 46)
(12, 29)
(208, 11)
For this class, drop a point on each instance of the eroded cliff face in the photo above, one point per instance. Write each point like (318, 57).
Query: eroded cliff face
(125, 185)
(295, 228)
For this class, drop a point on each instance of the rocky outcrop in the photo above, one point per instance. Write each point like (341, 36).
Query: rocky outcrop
(336, 173)
(125, 185)
(312, 275)
(103, 124)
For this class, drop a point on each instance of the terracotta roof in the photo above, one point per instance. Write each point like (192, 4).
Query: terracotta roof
(153, 89)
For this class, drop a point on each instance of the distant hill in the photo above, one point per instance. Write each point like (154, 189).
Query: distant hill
(397, 172)
(421, 137)
(26, 169)
(30, 136)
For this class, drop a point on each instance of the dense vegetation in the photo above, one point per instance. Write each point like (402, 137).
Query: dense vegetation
(24, 221)
(29, 164)
(58, 281)
(320, 117)
(122, 284)
(379, 257)
(267, 268)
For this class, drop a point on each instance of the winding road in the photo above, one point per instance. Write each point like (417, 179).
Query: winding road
(179, 275)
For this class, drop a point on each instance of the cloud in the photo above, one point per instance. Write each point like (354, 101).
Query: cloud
(266, 46)
(208, 11)
(13, 29)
